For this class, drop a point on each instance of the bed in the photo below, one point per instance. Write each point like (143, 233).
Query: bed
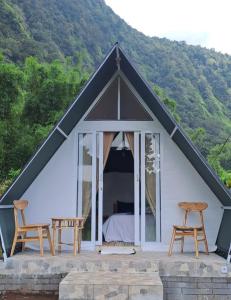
(120, 228)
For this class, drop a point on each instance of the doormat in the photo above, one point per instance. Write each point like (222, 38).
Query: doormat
(118, 244)
(117, 251)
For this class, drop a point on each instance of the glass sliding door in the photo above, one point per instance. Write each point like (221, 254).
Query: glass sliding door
(90, 186)
(86, 183)
(92, 157)
(150, 167)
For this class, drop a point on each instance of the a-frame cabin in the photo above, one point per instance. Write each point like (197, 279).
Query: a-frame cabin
(117, 156)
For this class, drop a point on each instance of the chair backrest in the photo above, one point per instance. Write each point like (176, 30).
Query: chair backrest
(193, 207)
(19, 205)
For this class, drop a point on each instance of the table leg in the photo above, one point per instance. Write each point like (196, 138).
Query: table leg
(50, 242)
(54, 237)
(40, 233)
(59, 237)
(79, 239)
(75, 239)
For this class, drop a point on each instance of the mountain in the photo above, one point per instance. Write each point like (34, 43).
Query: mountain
(197, 78)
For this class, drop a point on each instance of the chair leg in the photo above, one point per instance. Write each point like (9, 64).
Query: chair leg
(50, 242)
(172, 241)
(40, 234)
(206, 243)
(182, 244)
(196, 242)
(14, 243)
(59, 239)
(23, 243)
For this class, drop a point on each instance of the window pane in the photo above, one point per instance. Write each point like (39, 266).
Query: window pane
(107, 106)
(85, 181)
(131, 109)
(150, 188)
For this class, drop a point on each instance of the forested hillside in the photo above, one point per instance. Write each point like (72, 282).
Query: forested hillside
(34, 93)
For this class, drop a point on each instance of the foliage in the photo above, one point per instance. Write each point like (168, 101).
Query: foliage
(69, 38)
(220, 159)
(33, 97)
(170, 103)
(199, 80)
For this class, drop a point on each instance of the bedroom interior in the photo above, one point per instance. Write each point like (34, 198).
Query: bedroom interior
(118, 197)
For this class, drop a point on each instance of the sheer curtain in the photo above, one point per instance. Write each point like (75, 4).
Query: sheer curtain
(150, 176)
(108, 138)
(86, 178)
(87, 160)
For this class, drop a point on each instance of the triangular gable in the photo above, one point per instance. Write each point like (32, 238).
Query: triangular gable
(130, 107)
(118, 102)
(114, 60)
(106, 107)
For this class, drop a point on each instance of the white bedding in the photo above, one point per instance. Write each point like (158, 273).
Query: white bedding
(120, 228)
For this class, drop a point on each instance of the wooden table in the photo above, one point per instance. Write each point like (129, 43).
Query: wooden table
(61, 223)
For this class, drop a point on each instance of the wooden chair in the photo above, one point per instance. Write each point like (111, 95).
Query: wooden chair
(180, 232)
(20, 235)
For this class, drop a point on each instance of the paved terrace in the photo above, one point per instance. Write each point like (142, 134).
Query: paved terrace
(183, 276)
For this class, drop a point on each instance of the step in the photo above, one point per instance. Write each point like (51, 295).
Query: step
(111, 285)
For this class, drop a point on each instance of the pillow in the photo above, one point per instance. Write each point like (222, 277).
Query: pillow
(125, 207)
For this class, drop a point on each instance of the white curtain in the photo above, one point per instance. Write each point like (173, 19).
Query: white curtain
(87, 161)
(150, 176)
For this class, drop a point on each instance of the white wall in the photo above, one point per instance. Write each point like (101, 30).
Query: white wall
(53, 192)
(181, 182)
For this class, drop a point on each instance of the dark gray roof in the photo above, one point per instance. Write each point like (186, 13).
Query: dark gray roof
(82, 103)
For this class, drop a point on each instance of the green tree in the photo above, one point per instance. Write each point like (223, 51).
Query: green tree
(170, 103)
(11, 102)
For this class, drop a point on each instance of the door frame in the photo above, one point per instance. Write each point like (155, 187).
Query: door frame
(87, 244)
(137, 178)
(100, 188)
(139, 186)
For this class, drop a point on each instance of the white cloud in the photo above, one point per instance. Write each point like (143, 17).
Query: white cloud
(204, 22)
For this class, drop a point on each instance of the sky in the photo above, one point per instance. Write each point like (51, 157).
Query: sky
(198, 22)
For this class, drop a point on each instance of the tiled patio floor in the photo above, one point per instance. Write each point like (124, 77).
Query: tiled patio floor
(178, 264)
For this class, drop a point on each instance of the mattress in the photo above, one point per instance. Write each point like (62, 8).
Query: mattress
(120, 228)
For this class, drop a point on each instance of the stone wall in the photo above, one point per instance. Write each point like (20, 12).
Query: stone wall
(31, 284)
(196, 288)
(184, 277)
(175, 288)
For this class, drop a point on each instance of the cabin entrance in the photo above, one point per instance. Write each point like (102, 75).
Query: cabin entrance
(118, 187)
(118, 194)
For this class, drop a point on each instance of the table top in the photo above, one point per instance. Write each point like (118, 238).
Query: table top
(67, 218)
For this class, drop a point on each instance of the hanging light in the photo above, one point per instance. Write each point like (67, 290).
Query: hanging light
(122, 146)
